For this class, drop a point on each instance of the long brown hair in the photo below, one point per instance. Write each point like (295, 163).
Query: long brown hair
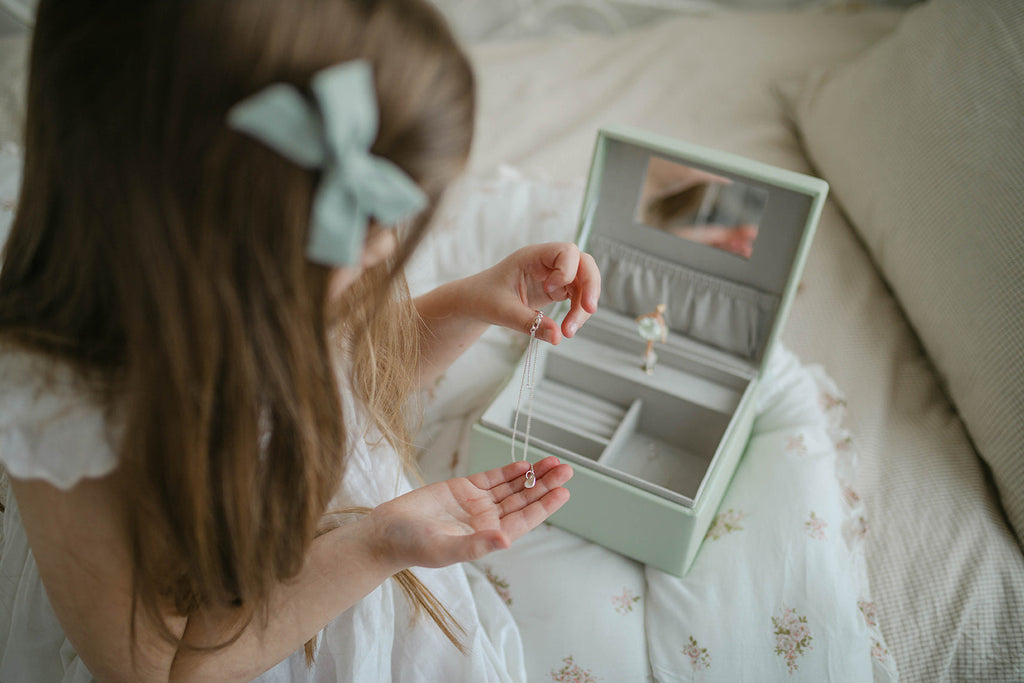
(162, 255)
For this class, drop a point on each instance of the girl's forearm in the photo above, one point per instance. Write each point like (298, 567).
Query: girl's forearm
(341, 568)
(449, 324)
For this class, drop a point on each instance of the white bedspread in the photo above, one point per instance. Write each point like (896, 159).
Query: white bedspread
(779, 590)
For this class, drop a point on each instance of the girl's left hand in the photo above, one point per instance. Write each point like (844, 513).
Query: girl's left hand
(509, 293)
(463, 519)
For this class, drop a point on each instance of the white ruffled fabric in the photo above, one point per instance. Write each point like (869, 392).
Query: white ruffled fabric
(710, 309)
(51, 429)
(48, 430)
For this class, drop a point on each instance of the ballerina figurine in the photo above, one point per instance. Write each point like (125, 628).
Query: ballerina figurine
(651, 327)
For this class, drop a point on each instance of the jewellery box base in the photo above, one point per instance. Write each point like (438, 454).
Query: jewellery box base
(653, 454)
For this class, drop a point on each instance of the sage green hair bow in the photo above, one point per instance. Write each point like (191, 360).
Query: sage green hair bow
(333, 135)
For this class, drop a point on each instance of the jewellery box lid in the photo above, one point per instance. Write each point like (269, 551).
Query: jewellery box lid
(736, 198)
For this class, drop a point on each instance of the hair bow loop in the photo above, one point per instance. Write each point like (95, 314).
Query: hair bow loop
(334, 136)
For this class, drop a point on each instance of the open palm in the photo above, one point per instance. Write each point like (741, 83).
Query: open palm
(465, 518)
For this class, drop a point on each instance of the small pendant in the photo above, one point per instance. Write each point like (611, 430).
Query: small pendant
(531, 478)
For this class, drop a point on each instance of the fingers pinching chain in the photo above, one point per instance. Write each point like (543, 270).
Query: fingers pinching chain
(527, 383)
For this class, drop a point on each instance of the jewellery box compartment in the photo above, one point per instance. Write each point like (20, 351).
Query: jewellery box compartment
(590, 407)
(654, 451)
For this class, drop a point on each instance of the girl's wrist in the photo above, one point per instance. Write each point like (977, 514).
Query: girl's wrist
(462, 301)
(376, 549)
(469, 300)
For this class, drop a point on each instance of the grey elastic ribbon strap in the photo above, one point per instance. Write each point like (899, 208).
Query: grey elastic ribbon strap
(335, 136)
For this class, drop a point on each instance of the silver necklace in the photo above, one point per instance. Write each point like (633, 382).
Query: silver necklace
(527, 383)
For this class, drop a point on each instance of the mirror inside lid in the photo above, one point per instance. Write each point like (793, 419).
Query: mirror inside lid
(714, 237)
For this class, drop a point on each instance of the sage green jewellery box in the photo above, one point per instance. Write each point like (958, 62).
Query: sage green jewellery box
(699, 246)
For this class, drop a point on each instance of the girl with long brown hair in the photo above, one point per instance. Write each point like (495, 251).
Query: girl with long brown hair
(207, 348)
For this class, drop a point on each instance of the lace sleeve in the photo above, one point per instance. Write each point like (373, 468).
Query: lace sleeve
(51, 428)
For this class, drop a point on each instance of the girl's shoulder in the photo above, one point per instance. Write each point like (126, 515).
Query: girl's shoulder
(52, 427)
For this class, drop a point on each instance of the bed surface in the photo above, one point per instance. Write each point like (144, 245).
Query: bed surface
(946, 572)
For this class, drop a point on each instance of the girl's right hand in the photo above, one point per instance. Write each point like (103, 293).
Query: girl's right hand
(510, 292)
(463, 519)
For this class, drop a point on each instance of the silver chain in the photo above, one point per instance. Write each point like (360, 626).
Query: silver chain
(527, 382)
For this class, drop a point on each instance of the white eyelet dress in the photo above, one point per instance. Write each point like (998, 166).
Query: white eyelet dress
(51, 429)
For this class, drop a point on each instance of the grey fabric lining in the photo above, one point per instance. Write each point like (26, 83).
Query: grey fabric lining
(723, 314)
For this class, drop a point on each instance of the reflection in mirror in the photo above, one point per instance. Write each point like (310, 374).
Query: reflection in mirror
(702, 207)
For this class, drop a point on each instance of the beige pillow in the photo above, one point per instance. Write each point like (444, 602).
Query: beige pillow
(922, 140)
